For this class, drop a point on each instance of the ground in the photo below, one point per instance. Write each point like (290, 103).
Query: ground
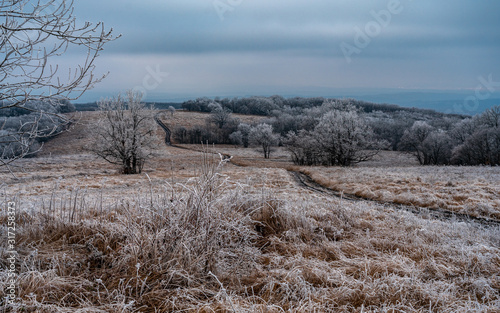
(195, 233)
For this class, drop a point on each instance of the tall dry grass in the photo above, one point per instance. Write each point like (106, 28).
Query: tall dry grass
(137, 254)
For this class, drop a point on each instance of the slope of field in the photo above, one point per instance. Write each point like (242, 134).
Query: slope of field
(76, 138)
(199, 235)
(467, 190)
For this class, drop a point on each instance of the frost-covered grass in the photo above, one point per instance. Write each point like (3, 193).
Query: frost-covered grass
(234, 239)
(469, 190)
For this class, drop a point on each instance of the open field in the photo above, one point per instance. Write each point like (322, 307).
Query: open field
(194, 235)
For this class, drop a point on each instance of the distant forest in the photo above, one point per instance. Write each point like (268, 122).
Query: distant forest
(338, 131)
(92, 106)
(266, 105)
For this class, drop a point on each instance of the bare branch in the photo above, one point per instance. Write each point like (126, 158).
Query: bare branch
(33, 34)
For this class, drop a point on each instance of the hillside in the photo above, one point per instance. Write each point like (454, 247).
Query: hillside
(195, 234)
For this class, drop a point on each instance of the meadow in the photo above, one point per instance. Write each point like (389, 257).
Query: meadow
(468, 190)
(195, 233)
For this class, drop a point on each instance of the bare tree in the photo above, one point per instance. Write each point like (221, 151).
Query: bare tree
(33, 35)
(125, 132)
(262, 135)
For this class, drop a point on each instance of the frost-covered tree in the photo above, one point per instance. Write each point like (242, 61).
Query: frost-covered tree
(236, 138)
(124, 133)
(344, 138)
(33, 35)
(171, 110)
(480, 140)
(240, 137)
(262, 135)
(303, 148)
(481, 148)
(437, 147)
(463, 130)
(429, 145)
(338, 136)
(219, 116)
(491, 117)
(413, 141)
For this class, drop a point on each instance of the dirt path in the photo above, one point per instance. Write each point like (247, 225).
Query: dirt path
(167, 131)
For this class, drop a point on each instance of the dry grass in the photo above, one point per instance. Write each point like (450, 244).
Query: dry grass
(189, 119)
(469, 190)
(196, 236)
(254, 243)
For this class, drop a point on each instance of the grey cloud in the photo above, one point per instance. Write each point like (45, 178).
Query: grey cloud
(299, 26)
(451, 41)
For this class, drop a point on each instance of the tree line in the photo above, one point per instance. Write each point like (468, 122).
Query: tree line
(471, 141)
(347, 131)
(335, 133)
(265, 106)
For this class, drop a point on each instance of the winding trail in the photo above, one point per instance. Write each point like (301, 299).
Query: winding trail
(306, 182)
(168, 133)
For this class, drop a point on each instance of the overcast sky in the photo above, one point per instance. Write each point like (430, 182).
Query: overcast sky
(263, 47)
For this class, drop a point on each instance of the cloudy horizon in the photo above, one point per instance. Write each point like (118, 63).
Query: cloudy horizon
(186, 49)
